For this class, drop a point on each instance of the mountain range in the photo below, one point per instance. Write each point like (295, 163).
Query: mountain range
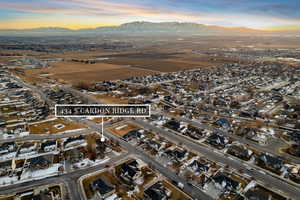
(144, 28)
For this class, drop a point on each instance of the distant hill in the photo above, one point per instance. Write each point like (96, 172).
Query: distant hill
(139, 28)
(174, 27)
(37, 31)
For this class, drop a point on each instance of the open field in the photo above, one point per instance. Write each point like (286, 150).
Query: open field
(101, 75)
(106, 99)
(48, 127)
(160, 65)
(121, 66)
(162, 61)
(73, 72)
(74, 54)
(205, 42)
(150, 55)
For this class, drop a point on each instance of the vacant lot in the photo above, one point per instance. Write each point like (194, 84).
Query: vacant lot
(73, 72)
(106, 99)
(156, 64)
(120, 65)
(101, 75)
(98, 120)
(162, 61)
(74, 54)
(54, 126)
(167, 54)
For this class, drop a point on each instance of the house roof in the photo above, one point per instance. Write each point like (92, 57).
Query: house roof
(156, 192)
(295, 135)
(199, 166)
(223, 122)
(48, 143)
(72, 139)
(132, 133)
(6, 145)
(238, 150)
(174, 124)
(38, 161)
(130, 169)
(226, 182)
(257, 195)
(219, 139)
(270, 160)
(154, 144)
(179, 154)
(101, 186)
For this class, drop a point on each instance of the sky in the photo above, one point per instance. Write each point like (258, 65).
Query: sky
(76, 14)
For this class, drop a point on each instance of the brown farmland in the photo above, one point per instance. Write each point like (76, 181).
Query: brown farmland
(159, 62)
(73, 72)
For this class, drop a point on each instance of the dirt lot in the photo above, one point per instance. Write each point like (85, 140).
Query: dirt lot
(98, 120)
(165, 60)
(162, 63)
(77, 54)
(109, 99)
(159, 65)
(48, 126)
(73, 72)
(117, 66)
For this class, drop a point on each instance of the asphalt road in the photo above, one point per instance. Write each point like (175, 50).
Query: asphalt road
(192, 191)
(277, 184)
(273, 182)
(75, 191)
(239, 139)
(70, 179)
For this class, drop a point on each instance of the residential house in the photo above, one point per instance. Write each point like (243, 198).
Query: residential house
(225, 183)
(102, 188)
(216, 140)
(39, 163)
(239, 151)
(270, 162)
(199, 167)
(157, 192)
(49, 145)
(130, 171)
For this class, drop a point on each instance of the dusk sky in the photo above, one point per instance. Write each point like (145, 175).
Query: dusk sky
(262, 14)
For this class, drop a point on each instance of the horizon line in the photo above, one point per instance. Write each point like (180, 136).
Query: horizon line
(268, 29)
